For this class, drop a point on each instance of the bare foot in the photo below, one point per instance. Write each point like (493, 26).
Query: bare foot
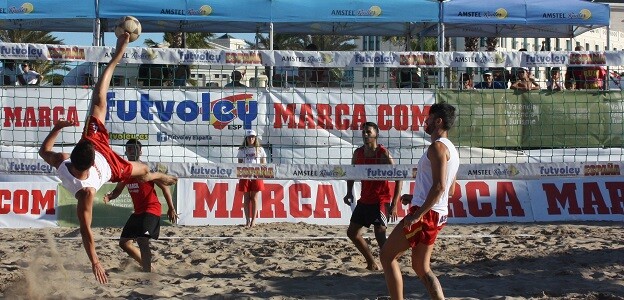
(167, 179)
(252, 223)
(373, 266)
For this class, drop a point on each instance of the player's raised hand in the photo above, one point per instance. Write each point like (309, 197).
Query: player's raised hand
(62, 123)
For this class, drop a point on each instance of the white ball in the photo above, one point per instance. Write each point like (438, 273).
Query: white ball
(130, 25)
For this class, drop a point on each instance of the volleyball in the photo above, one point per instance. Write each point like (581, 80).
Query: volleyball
(130, 25)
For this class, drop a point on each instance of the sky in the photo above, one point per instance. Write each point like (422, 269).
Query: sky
(86, 38)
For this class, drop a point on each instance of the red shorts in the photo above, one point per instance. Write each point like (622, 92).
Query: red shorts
(250, 185)
(96, 132)
(426, 230)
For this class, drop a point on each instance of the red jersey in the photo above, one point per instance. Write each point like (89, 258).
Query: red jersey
(373, 191)
(144, 197)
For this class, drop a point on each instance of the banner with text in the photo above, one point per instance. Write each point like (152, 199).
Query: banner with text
(28, 204)
(328, 59)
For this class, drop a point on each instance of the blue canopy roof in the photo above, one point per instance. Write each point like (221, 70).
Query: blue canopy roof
(353, 17)
(49, 15)
(522, 18)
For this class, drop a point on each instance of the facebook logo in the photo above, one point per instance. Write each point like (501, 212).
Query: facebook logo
(162, 136)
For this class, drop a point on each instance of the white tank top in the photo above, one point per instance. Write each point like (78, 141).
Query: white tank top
(424, 179)
(99, 174)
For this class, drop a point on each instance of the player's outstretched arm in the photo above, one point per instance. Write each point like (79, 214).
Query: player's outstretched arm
(98, 104)
(45, 151)
(84, 211)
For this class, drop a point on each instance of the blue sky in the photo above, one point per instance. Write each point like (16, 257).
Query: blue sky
(86, 38)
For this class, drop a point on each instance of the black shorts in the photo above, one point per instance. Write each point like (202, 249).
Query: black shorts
(141, 225)
(367, 214)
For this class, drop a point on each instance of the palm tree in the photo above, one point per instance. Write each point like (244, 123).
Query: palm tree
(194, 40)
(43, 67)
(280, 42)
(429, 43)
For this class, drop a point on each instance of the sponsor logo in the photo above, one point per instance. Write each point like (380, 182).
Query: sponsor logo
(127, 136)
(562, 171)
(417, 60)
(500, 13)
(255, 172)
(510, 171)
(605, 169)
(164, 136)
(335, 172)
(196, 56)
(18, 51)
(480, 172)
(588, 59)
(382, 59)
(243, 58)
(25, 8)
(42, 116)
(373, 11)
(211, 172)
(66, 52)
(385, 173)
(29, 168)
(545, 59)
(219, 113)
(204, 10)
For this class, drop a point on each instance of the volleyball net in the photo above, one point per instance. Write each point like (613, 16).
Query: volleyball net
(308, 107)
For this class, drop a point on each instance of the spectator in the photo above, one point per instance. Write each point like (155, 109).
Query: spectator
(11, 75)
(466, 82)
(514, 71)
(554, 83)
(592, 77)
(501, 75)
(181, 76)
(524, 83)
(31, 76)
(236, 76)
(574, 75)
(409, 78)
(80, 75)
(313, 76)
(489, 83)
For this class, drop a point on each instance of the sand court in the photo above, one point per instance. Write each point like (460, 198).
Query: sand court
(294, 261)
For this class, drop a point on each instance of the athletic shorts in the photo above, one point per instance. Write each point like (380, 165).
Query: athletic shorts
(142, 225)
(250, 185)
(426, 230)
(96, 132)
(371, 214)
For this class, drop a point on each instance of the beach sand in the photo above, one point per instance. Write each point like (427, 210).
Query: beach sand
(295, 261)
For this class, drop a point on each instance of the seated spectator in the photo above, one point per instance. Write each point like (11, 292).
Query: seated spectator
(554, 83)
(11, 75)
(466, 82)
(181, 76)
(524, 83)
(574, 75)
(236, 77)
(409, 78)
(489, 83)
(80, 75)
(31, 76)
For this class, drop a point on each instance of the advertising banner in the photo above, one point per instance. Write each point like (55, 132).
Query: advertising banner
(329, 59)
(28, 204)
(212, 202)
(305, 117)
(578, 199)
